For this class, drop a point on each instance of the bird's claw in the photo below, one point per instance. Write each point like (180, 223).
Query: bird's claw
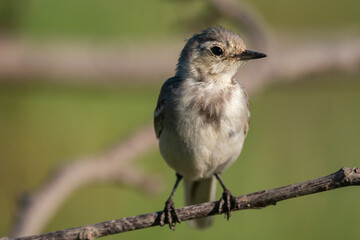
(169, 215)
(227, 203)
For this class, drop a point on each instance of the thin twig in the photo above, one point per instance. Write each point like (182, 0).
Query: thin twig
(344, 177)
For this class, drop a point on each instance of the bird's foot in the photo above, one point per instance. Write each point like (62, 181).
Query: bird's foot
(227, 203)
(169, 215)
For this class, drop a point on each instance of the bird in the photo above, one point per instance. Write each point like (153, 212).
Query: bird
(202, 118)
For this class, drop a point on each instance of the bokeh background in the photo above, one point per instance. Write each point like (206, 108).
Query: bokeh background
(299, 130)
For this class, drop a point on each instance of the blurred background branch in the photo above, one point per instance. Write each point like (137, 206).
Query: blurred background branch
(244, 15)
(88, 64)
(115, 165)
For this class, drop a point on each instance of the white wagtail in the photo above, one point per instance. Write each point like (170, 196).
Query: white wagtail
(202, 118)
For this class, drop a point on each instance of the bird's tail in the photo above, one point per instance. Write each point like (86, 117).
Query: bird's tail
(198, 192)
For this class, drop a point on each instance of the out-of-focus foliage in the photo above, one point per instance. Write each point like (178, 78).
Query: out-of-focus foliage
(126, 20)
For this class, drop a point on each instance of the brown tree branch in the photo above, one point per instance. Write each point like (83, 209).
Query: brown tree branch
(114, 165)
(344, 177)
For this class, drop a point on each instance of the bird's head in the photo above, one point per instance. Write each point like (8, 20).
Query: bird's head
(214, 54)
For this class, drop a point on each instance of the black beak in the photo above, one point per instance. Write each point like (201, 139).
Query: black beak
(247, 55)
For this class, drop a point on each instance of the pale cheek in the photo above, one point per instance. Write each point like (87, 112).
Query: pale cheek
(218, 68)
(231, 70)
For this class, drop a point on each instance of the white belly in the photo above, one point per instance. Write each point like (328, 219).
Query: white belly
(196, 149)
(202, 159)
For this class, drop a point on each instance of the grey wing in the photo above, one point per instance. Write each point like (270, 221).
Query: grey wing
(159, 113)
(160, 110)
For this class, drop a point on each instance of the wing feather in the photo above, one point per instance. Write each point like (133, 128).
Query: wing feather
(160, 111)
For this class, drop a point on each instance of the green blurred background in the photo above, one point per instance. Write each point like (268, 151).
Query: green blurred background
(299, 131)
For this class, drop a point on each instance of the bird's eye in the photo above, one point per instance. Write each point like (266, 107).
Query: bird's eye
(217, 51)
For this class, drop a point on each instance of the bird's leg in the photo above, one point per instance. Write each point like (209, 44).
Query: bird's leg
(169, 214)
(227, 201)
